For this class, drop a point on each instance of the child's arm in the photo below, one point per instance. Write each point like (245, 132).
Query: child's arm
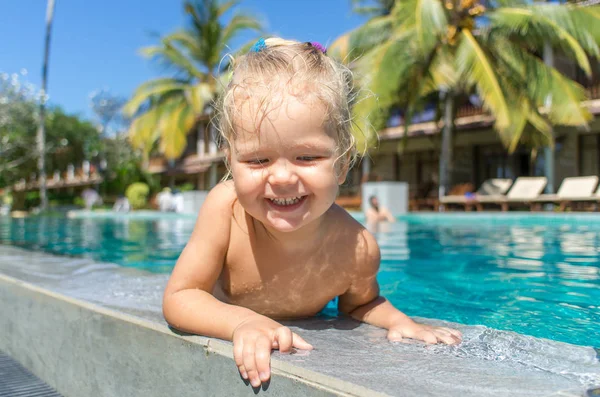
(188, 303)
(363, 302)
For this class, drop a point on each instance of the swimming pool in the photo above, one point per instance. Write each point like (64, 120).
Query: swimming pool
(536, 275)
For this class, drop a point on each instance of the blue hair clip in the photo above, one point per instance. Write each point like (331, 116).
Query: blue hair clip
(259, 45)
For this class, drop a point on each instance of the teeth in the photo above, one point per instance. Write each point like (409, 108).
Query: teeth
(286, 201)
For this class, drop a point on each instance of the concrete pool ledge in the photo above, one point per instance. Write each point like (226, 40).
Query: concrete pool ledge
(95, 329)
(62, 339)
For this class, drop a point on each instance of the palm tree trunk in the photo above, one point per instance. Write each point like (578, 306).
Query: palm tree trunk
(446, 155)
(549, 167)
(41, 133)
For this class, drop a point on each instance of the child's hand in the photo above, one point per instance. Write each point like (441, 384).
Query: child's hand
(426, 333)
(253, 341)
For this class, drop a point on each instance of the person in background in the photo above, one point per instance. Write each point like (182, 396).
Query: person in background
(177, 201)
(122, 204)
(165, 200)
(91, 197)
(377, 213)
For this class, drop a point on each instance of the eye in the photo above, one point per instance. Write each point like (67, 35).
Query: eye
(309, 158)
(257, 161)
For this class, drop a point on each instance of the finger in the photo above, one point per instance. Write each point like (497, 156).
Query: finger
(250, 363)
(394, 335)
(283, 336)
(448, 339)
(263, 358)
(428, 337)
(299, 343)
(454, 332)
(238, 356)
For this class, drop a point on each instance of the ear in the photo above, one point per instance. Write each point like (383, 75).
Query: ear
(227, 153)
(343, 168)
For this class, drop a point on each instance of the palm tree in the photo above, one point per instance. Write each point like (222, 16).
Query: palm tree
(443, 50)
(372, 7)
(41, 133)
(166, 109)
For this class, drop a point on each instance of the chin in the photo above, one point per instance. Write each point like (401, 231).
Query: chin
(284, 225)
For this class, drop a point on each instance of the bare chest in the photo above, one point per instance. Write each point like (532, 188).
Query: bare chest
(280, 284)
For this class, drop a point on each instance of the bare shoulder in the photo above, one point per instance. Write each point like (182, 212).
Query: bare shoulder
(216, 210)
(222, 195)
(365, 252)
(201, 261)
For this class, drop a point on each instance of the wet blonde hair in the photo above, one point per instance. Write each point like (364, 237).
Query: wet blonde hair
(298, 69)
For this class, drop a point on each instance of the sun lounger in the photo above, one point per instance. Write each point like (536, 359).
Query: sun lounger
(573, 189)
(523, 191)
(492, 187)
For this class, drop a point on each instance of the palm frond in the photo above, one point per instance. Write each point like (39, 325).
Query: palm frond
(394, 64)
(198, 96)
(574, 23)
(474, 65)
(176, 120)
(442, 72)
(340, 48)
(430, 22)
(149, 89)
(143, 131)
(360, 40)
(226, 6)
(238, 23)
(373, 7)
(365, 113)
(541, 83)
(184, 38)
(539, 21)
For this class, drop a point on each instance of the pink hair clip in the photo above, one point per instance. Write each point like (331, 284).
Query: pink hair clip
(318, 46)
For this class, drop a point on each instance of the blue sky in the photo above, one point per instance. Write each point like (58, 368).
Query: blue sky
(95, 43)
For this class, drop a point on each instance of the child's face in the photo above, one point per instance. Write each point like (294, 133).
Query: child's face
(284, 167)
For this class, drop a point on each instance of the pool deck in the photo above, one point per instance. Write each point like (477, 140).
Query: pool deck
(90, 328)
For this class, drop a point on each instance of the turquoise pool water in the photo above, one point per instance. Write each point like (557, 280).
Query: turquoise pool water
(536, 275)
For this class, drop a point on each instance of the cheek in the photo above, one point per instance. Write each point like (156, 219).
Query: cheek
(247, 180)
(322, 177)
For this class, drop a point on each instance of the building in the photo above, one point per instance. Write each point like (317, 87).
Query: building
(201, 163)
(478, 153)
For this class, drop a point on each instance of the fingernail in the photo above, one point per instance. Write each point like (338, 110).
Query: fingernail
(263, 376)
(244, 375)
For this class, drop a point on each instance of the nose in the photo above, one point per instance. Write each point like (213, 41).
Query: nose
(282, 172)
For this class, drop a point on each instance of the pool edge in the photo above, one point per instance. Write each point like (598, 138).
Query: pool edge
(63, 341)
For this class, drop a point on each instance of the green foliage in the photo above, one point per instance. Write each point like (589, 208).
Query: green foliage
(32, 199)
(424, 50)
(6, 199)
(78, 201)
(69, 138)
(372, 7)
(124, 168)
(18, 126)
(186, 187)
(137, 194)
(166, 109)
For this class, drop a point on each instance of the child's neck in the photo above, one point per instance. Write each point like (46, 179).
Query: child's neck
(305, 238)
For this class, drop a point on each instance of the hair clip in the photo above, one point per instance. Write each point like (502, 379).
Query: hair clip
(318, 46)
(259, 45)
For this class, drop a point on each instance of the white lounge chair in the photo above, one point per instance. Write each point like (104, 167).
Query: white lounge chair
(523, 191)
(495, 187)
(572, 189)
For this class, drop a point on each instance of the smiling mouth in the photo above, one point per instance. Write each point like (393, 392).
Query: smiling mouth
(287, 202)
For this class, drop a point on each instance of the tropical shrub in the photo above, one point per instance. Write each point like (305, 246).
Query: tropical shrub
(137, 194)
